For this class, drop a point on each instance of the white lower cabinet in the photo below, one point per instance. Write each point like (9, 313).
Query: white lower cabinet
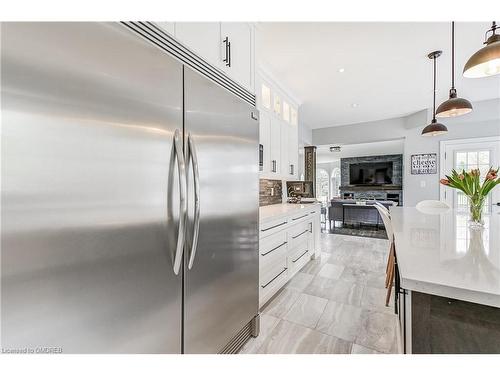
(272, 264)
(287, 243)
(298, 256)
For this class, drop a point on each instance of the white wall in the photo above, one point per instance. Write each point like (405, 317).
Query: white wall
(484, 121)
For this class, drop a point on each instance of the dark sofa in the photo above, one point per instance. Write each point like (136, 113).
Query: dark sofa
(361, 215)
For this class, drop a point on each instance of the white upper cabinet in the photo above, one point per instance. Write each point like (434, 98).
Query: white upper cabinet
(278, 130)
(265, 140)
(294, 120)
(293, 150)
(202, 38)
(237, 52)
(228, 46)
(169, 27)
(275, 147)
(277, 104)
(265, 96)
(284, 149)
(286, 111)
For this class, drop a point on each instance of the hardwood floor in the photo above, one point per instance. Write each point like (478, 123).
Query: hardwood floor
(335, 305)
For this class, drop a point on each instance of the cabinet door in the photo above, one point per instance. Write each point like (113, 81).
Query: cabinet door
(265, 139)
(293, 150)
(239, 64)
(168, 27)
(285, 164)
(275, 149)
(202, 38)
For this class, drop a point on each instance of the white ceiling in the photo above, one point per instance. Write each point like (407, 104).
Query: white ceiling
(323, 154)
(387, 72)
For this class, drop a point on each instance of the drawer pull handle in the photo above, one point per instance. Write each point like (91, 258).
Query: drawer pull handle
(274, 226)
(300, 217)
(304, 253)
(300, 234)
(274, 278)
(276, 248)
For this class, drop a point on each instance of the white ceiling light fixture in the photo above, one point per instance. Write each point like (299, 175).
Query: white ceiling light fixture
(341, 70)
(354, 105)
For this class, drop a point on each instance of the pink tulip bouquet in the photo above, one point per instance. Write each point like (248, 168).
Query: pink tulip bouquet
(470, 184)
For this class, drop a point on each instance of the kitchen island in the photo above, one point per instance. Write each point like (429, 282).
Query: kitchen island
(447, 281)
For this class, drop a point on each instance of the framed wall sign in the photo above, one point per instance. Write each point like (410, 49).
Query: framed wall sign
(424, 164)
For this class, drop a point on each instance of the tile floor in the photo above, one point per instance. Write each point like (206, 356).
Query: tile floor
(334, 305)
(354, 230)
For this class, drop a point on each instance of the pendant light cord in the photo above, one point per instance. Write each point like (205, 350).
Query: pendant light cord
(434, 96)
(452, 55)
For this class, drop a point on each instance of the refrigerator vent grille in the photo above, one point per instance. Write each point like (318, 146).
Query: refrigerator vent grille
(162, 40)
(234, 346)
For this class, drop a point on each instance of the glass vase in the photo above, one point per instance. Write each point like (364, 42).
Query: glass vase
(476, 208)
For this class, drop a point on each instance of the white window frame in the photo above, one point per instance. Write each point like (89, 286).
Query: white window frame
(442, 157)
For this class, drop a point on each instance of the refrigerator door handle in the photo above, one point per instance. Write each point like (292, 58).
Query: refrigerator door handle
(196, 174)
(178, 149)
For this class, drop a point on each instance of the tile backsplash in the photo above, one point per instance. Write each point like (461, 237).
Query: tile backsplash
(270, 192)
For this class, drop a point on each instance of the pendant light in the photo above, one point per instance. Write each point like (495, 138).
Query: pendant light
(454, 106)
(486, 61)
(434, 128)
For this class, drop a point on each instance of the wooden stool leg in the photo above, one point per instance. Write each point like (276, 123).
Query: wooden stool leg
(387, 266)
(389, 287)
(390, 265)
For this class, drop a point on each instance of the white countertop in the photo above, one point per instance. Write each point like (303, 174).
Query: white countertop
(283, 209)
(439, 254)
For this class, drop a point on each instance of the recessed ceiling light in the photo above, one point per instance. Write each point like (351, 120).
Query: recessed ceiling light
(354, 105)
(341, 70)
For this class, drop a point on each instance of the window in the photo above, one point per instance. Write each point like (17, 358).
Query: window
(322, 186)
(476, 159)
(471, 153)
(335, 192)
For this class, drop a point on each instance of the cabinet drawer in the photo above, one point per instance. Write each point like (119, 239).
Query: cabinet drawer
(298, 257)
(272, 249)
(273, 279)
(302, 215)
(298, 233)
(272, 226)
(314, 211)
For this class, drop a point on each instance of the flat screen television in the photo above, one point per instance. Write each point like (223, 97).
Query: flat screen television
(370, 173)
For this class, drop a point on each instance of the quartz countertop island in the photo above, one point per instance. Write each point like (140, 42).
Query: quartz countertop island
(439, 254)
(447, 281)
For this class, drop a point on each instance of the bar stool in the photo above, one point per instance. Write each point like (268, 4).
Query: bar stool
(391, 261)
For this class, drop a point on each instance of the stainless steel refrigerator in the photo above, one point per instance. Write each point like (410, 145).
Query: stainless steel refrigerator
(129, 197)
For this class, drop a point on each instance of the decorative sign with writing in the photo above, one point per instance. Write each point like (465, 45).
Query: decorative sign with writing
(424, 164)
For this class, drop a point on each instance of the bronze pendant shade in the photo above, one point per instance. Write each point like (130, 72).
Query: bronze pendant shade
(454, 106)
(434, 128)
(486, 61)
